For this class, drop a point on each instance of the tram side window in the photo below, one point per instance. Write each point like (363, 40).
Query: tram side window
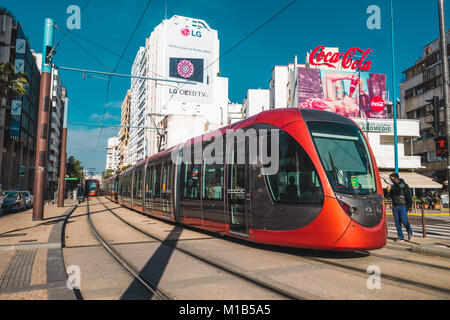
(148, 182)
(191, 181)
(213, 182)
(156, 181)
(137, 188)
(297, 180)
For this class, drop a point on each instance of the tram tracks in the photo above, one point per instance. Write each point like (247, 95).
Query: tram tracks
(281, 292)
(154, 291)
(284, 292)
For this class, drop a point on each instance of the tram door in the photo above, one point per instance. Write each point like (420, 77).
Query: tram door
(238, 193)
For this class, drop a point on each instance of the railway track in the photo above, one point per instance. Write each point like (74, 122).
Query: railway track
(155, 292)
(345, 267)
(282, 293)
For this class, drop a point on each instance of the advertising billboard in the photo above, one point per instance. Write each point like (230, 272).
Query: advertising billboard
(351, 94)
(191, 55)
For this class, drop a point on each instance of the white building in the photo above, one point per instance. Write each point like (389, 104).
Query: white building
(138, 149)
(234, 113)
(58, 94)
(113, 154)
(257, 100)
(182, 50)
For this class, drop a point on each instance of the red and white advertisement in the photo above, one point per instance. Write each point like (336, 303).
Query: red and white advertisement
(351, 94)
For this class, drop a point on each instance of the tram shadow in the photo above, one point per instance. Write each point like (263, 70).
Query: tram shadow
(155, 266)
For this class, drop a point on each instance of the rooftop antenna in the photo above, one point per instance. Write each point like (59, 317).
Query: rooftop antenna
(165, 12)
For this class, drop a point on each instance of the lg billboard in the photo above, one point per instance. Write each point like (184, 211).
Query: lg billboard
(191, 56)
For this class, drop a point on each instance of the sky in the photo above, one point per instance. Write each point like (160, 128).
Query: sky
(300, 28)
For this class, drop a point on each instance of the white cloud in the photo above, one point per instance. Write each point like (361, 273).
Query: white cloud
(108, 116)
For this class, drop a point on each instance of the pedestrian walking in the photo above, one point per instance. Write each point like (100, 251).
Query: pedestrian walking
(401, 203)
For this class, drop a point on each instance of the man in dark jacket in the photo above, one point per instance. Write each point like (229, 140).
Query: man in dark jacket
(401, 203)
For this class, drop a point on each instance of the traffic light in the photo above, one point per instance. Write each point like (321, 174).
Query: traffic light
(441, 146)
(436, 114)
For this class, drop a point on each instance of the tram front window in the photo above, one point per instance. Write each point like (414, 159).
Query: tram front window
(345, 157)
(92, 185)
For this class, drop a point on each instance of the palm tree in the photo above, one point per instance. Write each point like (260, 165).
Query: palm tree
(12, 84)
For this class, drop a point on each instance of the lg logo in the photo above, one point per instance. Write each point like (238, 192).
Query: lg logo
(186, 32)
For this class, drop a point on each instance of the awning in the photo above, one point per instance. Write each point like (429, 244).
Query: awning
(412, 179)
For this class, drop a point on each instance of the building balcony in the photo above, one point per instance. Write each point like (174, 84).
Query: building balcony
(424, 145)
(419, 101)
(405, 162)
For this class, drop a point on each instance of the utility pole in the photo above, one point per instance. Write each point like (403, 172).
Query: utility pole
(445, 82)
(394, 86)
(43, 122)
(62, 166)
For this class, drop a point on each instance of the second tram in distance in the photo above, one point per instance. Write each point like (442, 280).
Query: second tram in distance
(326, 194)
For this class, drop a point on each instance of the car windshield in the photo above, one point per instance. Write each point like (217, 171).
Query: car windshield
(345, 157)
(11, 195)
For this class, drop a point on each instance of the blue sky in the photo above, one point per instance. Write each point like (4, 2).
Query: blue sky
(304, 26)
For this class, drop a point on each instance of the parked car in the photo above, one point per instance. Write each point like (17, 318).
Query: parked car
(13, 201)
(29, 198)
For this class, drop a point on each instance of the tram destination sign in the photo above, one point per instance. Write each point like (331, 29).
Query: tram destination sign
(375, 126)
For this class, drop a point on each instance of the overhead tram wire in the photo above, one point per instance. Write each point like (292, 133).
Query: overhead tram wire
(237, 44)
(115, 69)
(107, 50)
(64, 36)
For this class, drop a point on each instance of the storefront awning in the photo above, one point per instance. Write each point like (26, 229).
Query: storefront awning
(412, 179)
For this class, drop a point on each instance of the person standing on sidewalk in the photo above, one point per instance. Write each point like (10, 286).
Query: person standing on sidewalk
(401, 204)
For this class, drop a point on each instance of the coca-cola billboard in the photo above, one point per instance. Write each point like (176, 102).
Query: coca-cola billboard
(355, 59)
(351, 94)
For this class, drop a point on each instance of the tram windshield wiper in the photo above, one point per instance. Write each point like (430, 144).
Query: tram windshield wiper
(336, 173)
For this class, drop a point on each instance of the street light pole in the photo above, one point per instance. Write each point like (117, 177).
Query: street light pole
(394, 90)
(43, 123)
(445, 82)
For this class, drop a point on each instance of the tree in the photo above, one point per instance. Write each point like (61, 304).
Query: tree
(108, 174)
(12, 84)
(75, 169)
(125, 168)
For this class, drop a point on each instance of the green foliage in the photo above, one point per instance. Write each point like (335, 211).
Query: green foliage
(108, 174)
(125, 168)
(75, 169)
(12, 84)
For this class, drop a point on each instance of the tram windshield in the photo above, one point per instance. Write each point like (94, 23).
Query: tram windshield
(92, 185)
(345, 157)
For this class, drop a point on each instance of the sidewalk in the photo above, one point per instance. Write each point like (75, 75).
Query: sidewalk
(430, 246)
(31, 261)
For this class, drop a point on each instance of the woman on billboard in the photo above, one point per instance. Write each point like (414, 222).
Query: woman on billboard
(338, 100)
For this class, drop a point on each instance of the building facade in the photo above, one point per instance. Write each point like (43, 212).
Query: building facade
(257, 100)
(18, 115)
(422, 99)
(124, 133)
(185, 51)
(113, 154)
(138, 146)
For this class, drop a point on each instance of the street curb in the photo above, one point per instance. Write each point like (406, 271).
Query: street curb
(423, 249)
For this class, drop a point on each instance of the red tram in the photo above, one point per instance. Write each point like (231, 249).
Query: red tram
(92, 187)
(326, 194)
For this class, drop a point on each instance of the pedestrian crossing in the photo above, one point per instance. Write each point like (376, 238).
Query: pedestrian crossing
(438, 231)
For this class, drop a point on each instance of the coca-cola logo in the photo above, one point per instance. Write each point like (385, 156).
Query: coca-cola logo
(319, 57)
(377, 104)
